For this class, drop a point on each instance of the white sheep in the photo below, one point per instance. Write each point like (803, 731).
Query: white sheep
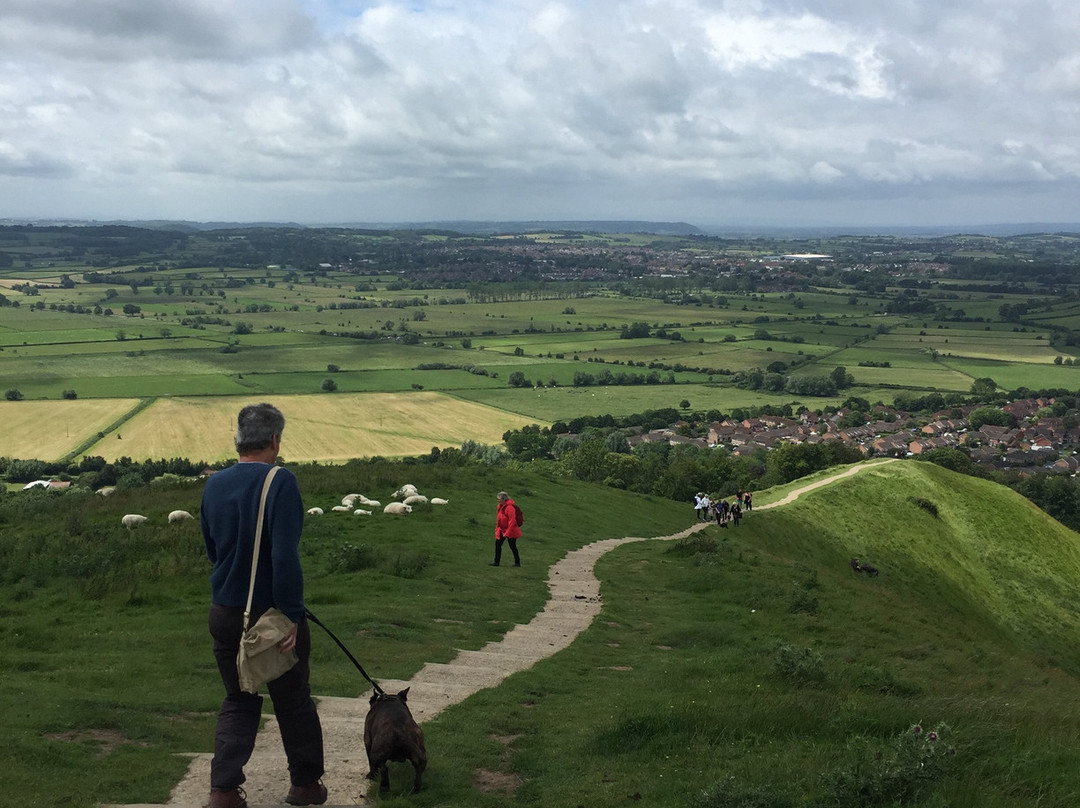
(131, 520)
(406, 490)
(361, 512)
(179, 516)
(314, 511)
(106, 490)
(415, 499)
(398, 508)
(365, 501)
(439, 501)
(341, 508)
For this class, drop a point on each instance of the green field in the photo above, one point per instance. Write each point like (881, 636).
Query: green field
(742, 667)
(270, 329)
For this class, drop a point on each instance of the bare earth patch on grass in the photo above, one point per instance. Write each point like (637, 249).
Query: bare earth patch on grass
(105, 740)
(498, 783)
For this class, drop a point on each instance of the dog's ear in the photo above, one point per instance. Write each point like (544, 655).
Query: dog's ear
(403, 695)
(374, 698)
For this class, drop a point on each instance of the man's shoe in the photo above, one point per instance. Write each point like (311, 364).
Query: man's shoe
(311, 794)
(227, 798)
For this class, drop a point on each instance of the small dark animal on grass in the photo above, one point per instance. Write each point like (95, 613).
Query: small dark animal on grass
(869, 569)
(391, 734)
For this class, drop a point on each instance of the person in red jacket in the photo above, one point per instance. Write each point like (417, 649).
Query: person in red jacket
(506, 528)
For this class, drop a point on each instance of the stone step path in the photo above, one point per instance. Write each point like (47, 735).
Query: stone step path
(574, 602)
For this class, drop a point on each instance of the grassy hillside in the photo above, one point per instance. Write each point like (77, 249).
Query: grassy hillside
(744, 667)
(763, 671)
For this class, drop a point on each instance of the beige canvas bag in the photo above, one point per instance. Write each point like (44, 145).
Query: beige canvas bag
(259, 659)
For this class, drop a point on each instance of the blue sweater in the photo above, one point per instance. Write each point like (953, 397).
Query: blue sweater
(230, 505)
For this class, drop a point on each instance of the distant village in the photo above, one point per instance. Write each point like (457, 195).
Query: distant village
(1036, 444)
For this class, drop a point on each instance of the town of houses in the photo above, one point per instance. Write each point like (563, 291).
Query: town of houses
(1036, 443)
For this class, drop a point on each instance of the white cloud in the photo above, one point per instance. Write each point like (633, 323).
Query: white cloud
(691, 109)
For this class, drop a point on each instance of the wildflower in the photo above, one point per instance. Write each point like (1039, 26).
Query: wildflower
(932, 736)
(917, 729)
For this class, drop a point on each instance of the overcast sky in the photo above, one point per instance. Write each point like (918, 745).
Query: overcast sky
(828, 112)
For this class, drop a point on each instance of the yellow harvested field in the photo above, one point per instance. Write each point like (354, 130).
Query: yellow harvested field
(323, 427)
(48, 430)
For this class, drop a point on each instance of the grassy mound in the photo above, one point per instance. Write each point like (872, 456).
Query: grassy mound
(752, 667)
(745, 667)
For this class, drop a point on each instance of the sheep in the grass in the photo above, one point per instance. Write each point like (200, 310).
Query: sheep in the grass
(373, 503)
(397, 507)
(361, 512)
(341, 508)
(315, 511)
(179, 516)
(439, 501)
(107, 490)
(416, 499)
(131, 520)
(406, 490)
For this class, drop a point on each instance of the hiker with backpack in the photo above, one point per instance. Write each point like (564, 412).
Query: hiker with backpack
(508, 521)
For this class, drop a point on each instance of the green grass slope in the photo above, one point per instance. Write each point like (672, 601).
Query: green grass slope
(745, 667)
(752, 667)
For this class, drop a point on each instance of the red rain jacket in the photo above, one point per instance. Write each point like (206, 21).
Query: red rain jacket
(506, 521)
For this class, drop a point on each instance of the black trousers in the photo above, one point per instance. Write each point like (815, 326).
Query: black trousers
(513, 549)
(238, 720)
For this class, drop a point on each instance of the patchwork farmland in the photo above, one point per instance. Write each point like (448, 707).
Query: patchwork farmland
(379, 344)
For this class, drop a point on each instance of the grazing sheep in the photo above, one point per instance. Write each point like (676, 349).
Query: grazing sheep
(106, 490)
(439, 501)
(179, 516)
(416, 499)
(406, 490)
(361, 512)
(359, 499)
(341, 508)
(131, 520)
(398, 508)
(314, 511)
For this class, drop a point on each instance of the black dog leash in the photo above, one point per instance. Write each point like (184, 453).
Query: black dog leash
(341, 645)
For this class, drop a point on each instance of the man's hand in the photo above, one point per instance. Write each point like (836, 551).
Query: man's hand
(288, 642)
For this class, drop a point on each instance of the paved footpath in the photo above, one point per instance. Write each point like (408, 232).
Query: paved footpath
(574, 602)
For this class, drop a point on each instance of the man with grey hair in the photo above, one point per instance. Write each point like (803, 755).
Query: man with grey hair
(230, 509)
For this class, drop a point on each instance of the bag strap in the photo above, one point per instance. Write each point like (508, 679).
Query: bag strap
(258, 540)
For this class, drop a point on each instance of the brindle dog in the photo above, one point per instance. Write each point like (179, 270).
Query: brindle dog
(391, 734)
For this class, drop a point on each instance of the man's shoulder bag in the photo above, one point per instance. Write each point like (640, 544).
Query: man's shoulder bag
(259, 659)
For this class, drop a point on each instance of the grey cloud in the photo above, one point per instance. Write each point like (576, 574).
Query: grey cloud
(665, 104)
(33, 164)
(120, 31)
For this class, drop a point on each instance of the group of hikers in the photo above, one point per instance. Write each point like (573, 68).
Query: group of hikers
(708, 508)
